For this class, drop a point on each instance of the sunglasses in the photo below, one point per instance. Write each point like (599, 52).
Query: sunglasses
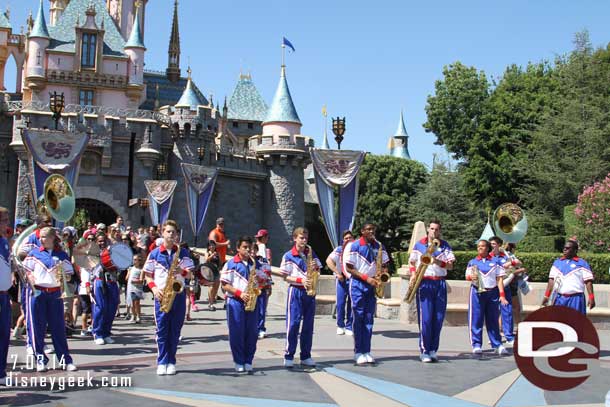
(90, 239)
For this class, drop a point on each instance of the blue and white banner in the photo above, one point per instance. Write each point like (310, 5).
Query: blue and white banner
(200, 183)
(337, 168)
(160, 197)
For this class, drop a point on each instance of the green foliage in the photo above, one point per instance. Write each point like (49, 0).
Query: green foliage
(570, 222)
(538, 265)
(387, 185)
(79, 220)
(593, 215)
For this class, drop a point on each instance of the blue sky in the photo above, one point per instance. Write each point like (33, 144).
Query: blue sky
(364, 60)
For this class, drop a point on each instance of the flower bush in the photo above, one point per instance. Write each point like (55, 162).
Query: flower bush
(593, 214)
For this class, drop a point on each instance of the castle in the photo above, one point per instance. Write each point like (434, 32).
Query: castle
(143, 124)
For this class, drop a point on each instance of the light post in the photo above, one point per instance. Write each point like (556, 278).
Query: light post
(339, 130)
(201, 153)
(161, 170)
(56, 104)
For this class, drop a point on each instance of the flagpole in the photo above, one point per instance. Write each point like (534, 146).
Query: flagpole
(283, 51)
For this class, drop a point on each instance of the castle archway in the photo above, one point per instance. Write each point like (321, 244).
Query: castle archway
(99, 200)
(98, 211)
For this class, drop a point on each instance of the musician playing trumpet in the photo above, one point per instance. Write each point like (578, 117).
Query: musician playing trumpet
(156, 269)
(431, 295)
(575, 274)
(362, 262)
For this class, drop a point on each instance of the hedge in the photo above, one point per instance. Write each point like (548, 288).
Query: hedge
(538, 264)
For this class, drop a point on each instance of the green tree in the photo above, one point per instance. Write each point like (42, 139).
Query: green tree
(387, 184)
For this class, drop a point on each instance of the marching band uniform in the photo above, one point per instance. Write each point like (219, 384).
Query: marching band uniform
(47, 307)
(243, 326)
(505, 260)
(32, 242)
(344, 301)
(5, 304)
(264, 277)
(106, 295)
(484, 306)
(168, 324)
(299, 307)
(362, 256)
(574, 273)
(431, 297)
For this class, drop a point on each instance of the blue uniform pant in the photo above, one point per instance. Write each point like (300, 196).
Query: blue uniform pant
(242, 330)
(431, 308)
(47, 309)
(169, 326)
(484, 307)
(104, 308)
(26, 293)
(507, 315)
(5, 331)
(261, 309)
(576, 302)
(344, 304)
(363, 309)
(299, 307)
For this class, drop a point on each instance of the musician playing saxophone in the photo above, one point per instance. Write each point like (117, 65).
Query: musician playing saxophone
(361, 262)
(243, 325)
(575, 274)
(156, 269)
(300, 306)
(432, 293)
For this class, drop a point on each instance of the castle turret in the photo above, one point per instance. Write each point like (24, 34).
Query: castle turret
(135, 49)
(189, 99)
(282, 117)
(398, 144)
(38, 42)
(173, 63)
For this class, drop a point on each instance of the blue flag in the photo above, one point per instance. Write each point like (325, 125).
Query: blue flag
(287, 43)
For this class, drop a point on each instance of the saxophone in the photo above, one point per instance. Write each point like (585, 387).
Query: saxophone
(66, 292)
(424, 261)
(381, 276)
(480, 286)
(172, 286)
(253, 289)
(312, 274)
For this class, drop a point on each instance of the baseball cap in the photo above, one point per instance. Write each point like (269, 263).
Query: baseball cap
(262, 233)
(220, 220)
(101, 226)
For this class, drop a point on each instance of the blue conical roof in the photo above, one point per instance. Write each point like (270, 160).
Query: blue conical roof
(488, 232)
(282, 109)
(4, 22)
(40, 29)
(189, 97)
(135, 38)
(246, 102)
(401, 131)
(325, 140)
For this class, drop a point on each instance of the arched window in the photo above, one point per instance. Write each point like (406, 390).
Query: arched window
(88, 50)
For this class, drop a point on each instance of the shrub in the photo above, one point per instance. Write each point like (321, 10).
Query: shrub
(593, 214)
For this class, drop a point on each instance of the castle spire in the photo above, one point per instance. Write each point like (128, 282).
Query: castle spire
(282, 108)
(398, 144)
(40, 29)
(173, 66)
(135, 39)
(189, 98)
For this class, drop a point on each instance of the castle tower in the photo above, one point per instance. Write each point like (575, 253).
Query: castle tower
(5, 32)
(57, 9)
(282, 117)
(135, 49)
(398, 144)
(38, 43)
(173, 63)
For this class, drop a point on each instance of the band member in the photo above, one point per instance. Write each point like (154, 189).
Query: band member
(334, 261)
(432, 293)
(106, 301)
(243, 325)
(299, 306)
(484, 305)
(574, 274)
(222, 245)
(156, 269)
(262, 238)
(45, 267)
(265, 284)
(361, 263)
(5, 304)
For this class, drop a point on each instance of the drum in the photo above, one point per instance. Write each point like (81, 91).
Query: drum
(87, 255)
(208, 274)
(117, 257)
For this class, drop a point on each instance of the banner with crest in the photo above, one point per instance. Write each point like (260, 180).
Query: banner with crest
(54, 151)
(200, 183)
(160, 197)
(337, 168)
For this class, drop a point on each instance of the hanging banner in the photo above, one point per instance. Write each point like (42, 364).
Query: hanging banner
(160, 196)
(200, 183)
(337, 168)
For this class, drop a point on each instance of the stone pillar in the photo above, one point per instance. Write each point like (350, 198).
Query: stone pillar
(22, 210)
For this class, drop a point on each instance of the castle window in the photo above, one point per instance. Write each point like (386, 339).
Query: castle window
(250, 125)
(85, 97)
(88, 51)
(235, 125)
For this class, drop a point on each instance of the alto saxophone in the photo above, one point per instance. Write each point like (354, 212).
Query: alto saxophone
(480, 286)
(312, 273)
(253, 289)
(61, 277)
(172, 287)
(381, 275)
(424, 261)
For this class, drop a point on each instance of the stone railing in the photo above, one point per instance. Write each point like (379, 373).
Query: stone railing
(86, 78)
(16, 39)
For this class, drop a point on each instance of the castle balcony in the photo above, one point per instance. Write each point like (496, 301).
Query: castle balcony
(17, 40)
(87, 78)
(282, 145)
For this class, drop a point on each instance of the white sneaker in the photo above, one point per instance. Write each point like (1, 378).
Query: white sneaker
(477, 350)
(340, 331)
(239, 368)
(48, 350)
(108, 340)
(248, 367)
(502, 350)
(99, 341)
(356, 356)
(308, 362)
(162, 370)
(41, 367)
(425, 358)
(349, 332)
(288, 363)
(261, 334)
(510, 343)
(433, 356)
(71, 367)
(361, 359)
(369, 358)
(29, 350)
(171, 369)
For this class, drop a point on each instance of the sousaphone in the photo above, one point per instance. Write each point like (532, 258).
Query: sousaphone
(510, 223)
